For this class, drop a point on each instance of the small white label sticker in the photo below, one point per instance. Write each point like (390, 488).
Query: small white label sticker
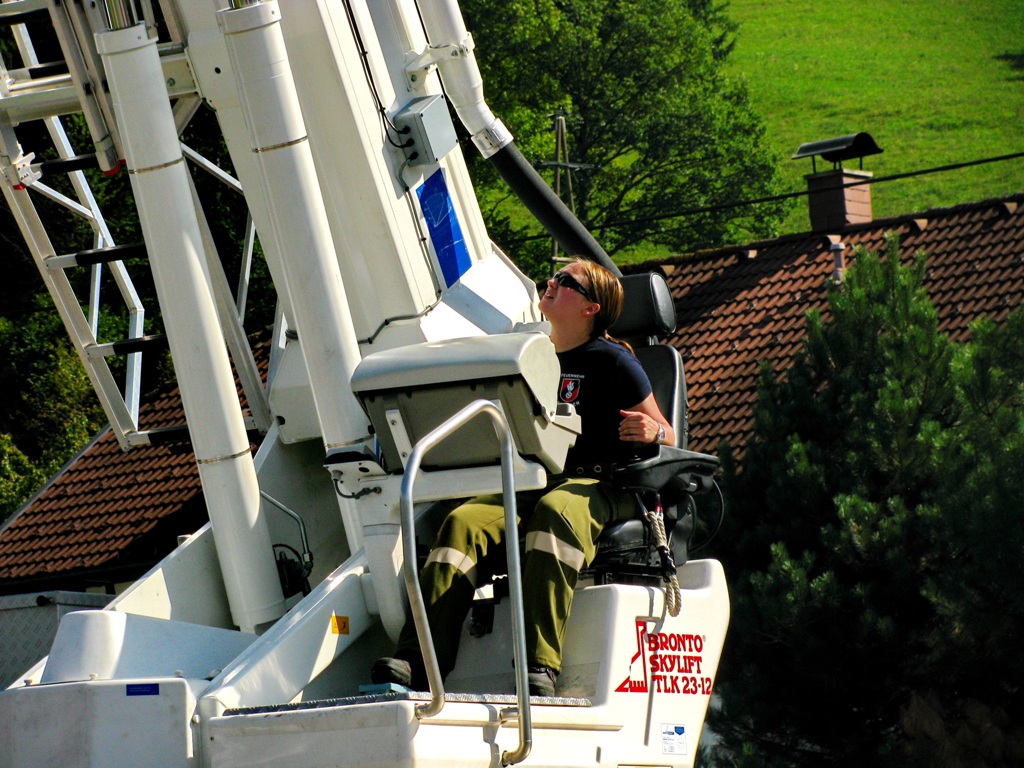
(673, 739)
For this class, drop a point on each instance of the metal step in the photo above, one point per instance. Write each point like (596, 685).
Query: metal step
(178, 434)
(50, 69)
(71, 24)
(69, 164)
(128, 346)
(91, 256)
(23, 11)
(167, 435)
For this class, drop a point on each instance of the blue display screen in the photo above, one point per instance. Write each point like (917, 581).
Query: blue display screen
(443, 226)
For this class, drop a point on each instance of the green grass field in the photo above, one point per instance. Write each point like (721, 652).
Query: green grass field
(935, 83)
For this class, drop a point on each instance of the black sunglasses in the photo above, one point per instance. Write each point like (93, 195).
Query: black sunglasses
(565, 280)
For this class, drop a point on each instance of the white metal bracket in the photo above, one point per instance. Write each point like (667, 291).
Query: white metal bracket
(19, 173)
(417, 66)
(399, 433)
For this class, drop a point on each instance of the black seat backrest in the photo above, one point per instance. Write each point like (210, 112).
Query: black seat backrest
(649, 312)
(625, 547)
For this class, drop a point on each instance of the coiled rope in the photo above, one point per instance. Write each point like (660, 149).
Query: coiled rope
(656, 523)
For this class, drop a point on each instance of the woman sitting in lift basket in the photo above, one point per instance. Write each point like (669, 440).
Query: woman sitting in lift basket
(604, 381)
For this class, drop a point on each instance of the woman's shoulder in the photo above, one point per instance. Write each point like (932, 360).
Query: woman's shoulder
(606, 346)
(603, 349)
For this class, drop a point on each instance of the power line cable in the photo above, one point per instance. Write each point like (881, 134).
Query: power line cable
(784, 196)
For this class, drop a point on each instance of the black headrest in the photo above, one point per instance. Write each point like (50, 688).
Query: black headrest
(647, 308)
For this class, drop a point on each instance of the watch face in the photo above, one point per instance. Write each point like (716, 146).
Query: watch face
(661, 433)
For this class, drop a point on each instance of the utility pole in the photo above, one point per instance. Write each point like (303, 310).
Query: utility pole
(561, 165)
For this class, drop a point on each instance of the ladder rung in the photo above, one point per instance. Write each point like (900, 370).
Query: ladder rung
(69, 164)
(168, 435)
(48, 70)
(23, 12)
(98, 256)
(128, 346)
(179, 434)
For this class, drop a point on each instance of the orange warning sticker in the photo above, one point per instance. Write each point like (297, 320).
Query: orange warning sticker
(339, 624)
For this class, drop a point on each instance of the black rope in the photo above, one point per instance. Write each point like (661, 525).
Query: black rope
(718, 525)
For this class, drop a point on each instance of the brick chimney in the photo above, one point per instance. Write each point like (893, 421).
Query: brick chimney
(833, 204)
(840, 196)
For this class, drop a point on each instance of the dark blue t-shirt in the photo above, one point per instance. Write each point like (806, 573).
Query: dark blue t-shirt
(600, 378)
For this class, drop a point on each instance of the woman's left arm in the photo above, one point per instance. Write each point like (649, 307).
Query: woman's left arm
(641, 423)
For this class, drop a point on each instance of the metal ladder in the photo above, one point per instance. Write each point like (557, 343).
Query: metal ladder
(44, 91)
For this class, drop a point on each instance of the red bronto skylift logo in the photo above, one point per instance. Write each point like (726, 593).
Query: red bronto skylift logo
(667, 662)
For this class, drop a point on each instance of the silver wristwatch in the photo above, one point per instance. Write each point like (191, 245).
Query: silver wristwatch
(661, 434)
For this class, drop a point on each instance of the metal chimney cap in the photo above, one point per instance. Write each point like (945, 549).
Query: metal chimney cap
(841, 148)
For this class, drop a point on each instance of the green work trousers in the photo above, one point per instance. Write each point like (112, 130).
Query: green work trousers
(561, 526)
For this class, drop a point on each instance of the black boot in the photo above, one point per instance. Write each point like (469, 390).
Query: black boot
(410, 674)
(541, 680)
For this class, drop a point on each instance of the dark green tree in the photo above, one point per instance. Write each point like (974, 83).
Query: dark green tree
(50, 409)
(853, 576)
(651, 115)
(969, 711)
(19, 477)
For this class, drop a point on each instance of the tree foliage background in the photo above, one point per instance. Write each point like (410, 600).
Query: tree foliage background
(652, 116)
(876, 539)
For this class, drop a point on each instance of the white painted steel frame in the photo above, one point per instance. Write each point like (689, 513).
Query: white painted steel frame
(298, 225)
(87, 208)
(163, 195)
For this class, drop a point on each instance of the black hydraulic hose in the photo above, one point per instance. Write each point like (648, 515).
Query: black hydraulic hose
(544, 204)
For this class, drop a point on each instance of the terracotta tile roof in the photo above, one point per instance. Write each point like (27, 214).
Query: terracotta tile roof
(737, 307)
(102, 504)
(108, 515)
(740, 306)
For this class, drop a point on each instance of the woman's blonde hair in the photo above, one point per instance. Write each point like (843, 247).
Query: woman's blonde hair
(606, 291)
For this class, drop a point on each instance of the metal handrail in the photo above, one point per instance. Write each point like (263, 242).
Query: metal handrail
(419, 611)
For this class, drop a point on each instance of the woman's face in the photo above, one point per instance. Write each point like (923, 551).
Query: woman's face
(562, 302)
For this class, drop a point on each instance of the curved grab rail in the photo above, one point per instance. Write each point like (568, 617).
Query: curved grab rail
(419, 611)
